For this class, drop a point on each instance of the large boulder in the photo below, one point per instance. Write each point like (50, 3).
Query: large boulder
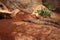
(15, 29)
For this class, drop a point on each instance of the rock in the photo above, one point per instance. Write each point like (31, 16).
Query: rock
(36, 32)
(25, 5)
(16, 29)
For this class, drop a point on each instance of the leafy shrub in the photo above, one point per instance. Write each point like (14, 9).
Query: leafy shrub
(44, 12)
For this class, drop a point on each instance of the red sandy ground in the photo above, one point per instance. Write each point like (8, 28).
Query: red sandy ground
(15, 29)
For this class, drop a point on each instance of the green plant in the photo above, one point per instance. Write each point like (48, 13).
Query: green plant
(47, 4)
(44, 12)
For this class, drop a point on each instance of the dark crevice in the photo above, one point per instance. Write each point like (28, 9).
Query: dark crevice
(42, 22)
(5, 16)
(57, 10)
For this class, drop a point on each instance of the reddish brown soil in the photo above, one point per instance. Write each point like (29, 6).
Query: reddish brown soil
(26, 31)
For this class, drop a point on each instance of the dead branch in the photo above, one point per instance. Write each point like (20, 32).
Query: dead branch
(7, 13)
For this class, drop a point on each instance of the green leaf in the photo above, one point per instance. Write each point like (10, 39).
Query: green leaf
(44, 12)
